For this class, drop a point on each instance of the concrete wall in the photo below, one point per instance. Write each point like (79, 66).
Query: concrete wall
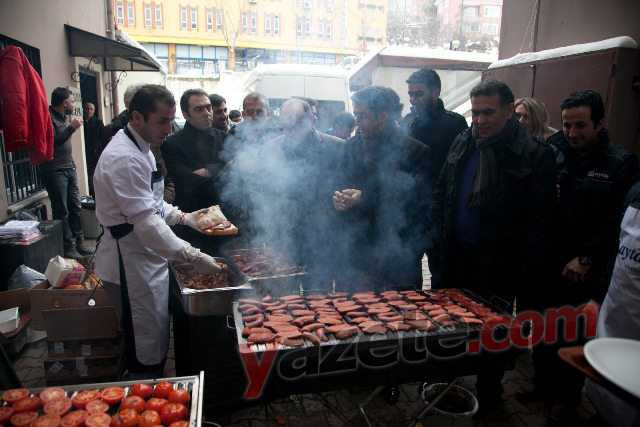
(566, 22)
(41, 25)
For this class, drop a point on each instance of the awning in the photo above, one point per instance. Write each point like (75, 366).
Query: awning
(115, 56)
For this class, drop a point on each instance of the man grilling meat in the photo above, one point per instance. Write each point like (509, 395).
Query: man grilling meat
(492, 211)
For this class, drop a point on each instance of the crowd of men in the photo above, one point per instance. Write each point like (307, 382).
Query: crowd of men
(497, 209)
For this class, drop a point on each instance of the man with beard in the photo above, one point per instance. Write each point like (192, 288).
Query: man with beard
(59, 175)
(219, 112)
(297, 187)
(428, 121)
(493, 211)
(192, 156)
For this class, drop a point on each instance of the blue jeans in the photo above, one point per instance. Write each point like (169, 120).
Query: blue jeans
(62, 186)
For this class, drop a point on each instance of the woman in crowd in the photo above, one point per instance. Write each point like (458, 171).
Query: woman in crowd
(532, 115)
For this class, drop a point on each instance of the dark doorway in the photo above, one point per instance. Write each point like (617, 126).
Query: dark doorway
(92, 135)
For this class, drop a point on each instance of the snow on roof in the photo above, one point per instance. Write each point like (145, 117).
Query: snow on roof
(298, 70)
(421, 52)
(559, 52)
(126, 38)
(365, 60)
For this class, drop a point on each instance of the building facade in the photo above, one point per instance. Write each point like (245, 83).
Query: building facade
(473, 24)
(205, 36)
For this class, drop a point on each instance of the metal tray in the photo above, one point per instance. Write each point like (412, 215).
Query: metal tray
(209, 302)
(194, 384)
(272, 285)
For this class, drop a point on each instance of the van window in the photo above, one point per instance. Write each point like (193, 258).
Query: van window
(327, 111)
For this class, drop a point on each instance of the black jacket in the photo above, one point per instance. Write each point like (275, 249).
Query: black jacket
(186, 151)
(385, 230)
(515, 228)
(62, 131)
(591, 206)
(436, 130)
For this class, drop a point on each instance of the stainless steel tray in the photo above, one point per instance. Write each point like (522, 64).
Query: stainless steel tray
(209, 302)
(194, 384)
(272, 285)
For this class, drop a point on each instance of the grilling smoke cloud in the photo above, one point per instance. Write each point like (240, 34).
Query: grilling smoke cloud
(279, 192)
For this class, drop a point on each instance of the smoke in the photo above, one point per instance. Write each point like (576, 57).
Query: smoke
(278, 189)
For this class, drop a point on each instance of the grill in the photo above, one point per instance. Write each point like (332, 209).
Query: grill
(442, 332)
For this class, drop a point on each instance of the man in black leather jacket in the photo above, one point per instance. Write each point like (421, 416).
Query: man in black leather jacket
(492, 211)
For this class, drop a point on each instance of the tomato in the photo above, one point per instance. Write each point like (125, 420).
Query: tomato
(125, 418)
(6, 412)
(142, 390)
(14, 395)
(156, 404)
(163, 389)
(173, 412)
(112, 395)
(149, 419)
(179, 424)
(58, 407)
(27, 404)
(99, 419)
(81, 399)
(179, 396)
(74, 419)
(46, 421)
(23, 419)
(96, 406)
(133, 402)
(52, 393)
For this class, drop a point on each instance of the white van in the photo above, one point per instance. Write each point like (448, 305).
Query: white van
(327, 85)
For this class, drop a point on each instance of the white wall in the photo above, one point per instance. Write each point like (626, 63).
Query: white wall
(229, 85)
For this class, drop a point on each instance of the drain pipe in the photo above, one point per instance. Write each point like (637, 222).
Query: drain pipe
(111, 33)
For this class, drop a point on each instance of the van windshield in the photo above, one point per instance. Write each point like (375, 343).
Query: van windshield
(326, 111)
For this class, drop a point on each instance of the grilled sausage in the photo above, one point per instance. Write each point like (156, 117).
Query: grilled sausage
(470, 320)
(311, 337)
(320, 333)
(312, 327)
(260, 338)
(276, 307)
(291, 342)
(251, 310)
(280, 318)
(298, 313)
(346, 333)
(282, 327)
(334, 329)
(296, 306)
(251, 317)
(248, 331)
(267, 298)
(378, 310)
(434, 313)
(248, 301)
(330, 320)
(398, 326)
(373, 328)
(423, 325)
(394, 318)
(305, 320)
(290, 298)
(354, 314)
(442, 318)
(289, 334)
(256, 323)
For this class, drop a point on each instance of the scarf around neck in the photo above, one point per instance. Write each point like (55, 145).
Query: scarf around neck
(485, 183)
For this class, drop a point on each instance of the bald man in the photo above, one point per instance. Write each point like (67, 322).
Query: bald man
(93, 128)
(299, 184)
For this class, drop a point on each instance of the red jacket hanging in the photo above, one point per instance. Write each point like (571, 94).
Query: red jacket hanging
(24, 110)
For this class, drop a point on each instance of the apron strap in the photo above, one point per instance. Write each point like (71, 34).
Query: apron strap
(131, 360)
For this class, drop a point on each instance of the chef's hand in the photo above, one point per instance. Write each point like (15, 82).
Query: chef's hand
(191, 219)
(76, 123)
(204, 264)
(202, 172)
(351, 197)
(575, 271)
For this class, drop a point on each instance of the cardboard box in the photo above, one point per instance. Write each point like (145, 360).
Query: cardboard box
(77, 370)
(82, 332)
(43, 297)
(14, 341)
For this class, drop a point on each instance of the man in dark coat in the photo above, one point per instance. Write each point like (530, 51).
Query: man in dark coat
(293, 204)
(428, 121)
(93, 128)
(595, 175)
(192, 157)
(493, 210)
(384, 197)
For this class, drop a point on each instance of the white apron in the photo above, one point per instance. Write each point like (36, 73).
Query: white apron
(146, 301)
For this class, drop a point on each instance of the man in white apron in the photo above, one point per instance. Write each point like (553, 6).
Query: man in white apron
(620, 313)
(132, 256)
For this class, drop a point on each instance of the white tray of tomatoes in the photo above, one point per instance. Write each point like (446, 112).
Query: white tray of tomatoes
(171, 402)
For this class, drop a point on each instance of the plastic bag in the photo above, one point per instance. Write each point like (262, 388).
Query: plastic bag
(24, 277)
